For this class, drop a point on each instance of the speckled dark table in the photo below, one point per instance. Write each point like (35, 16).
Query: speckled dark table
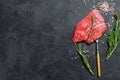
(36, 41)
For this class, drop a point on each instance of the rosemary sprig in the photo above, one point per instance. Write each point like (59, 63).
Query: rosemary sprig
(92, 26)
(84, 58)
(113, 38)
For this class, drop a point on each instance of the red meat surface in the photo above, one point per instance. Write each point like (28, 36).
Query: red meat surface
(83, 27)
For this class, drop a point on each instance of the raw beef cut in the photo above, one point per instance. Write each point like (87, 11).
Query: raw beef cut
(83, 27)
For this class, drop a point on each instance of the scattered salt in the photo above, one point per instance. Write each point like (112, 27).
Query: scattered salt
(102, 41)
(104, 7)
(71, 57)
(82, 66)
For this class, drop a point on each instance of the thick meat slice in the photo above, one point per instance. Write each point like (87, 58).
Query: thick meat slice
(83, 27)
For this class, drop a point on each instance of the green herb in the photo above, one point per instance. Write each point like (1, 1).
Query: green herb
(85, 60)
(91, 29)
(113, 38)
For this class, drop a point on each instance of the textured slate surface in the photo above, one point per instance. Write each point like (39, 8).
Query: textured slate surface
(36, 41)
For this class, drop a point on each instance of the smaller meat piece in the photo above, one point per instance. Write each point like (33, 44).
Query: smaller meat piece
(83, 27)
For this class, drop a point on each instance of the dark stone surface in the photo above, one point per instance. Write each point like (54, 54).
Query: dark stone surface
(36, 41)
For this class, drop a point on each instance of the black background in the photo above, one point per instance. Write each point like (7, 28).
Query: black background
(36, 41)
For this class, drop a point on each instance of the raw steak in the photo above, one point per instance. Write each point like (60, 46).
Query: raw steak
(83, 28)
